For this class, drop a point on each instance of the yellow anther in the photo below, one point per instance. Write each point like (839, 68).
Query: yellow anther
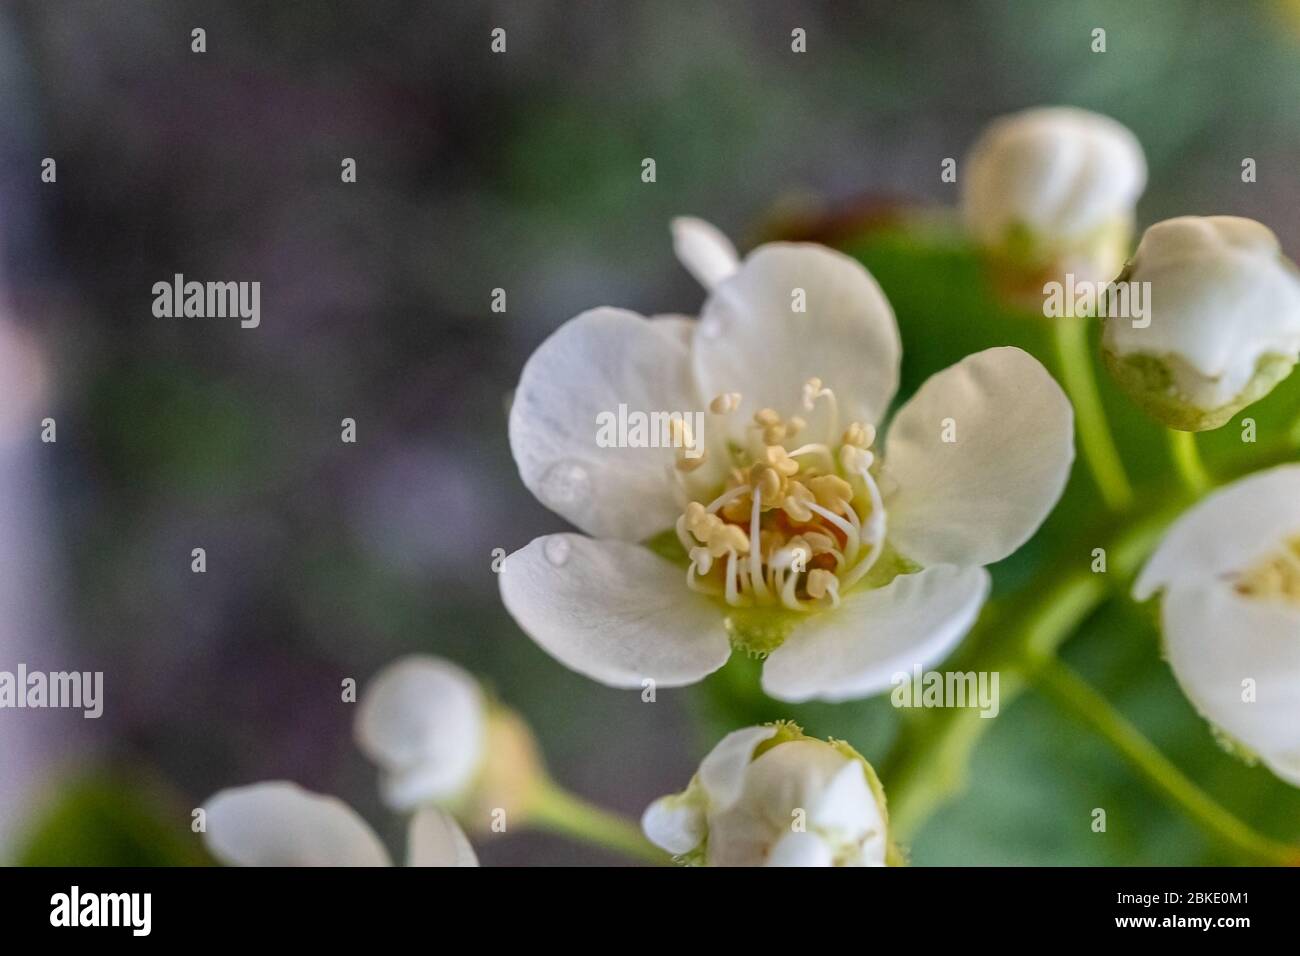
(859, 435)
(686, 463)
(767, 417)
(699, 522)
(779, 458)
(795, 425)
(769, 483)
(820, 582)
(811, 390)
(830, 490)
(820, 543)
(725, 403)
(726, 538)
(774, 434)
(795, 503)
(739, 509)
(1277, 576)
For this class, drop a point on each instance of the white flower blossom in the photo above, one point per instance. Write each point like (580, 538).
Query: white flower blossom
(1224, 326)
(802, 539)
(280, 824)
(1052, 190)
(437, 739)
(1228, 575)
(769, 796)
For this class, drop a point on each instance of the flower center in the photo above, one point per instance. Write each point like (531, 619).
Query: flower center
(798, 522)
(1276, 578)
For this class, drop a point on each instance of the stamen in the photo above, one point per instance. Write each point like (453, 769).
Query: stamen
(755, 554)
(860, 435)
(1277, 577)
(684, 440)
(854, 459)
(682, 536)
(850, 532)
(726, 498)
(831, 490)
(794, 504)
(876, 528)
(768, 483)
(777, 457)
(813, 390)
(788, 597)
(821, 583)
(725, 404)
(816, 448)
(732, 596)
(695, 583)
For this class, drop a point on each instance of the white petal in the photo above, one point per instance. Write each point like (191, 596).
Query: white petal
(1061, 172)
(854, 650)
(750, 339)
(613, 611)
(680, 328)
(722, 772)
(588, 368)
(800, 849)
(978, 498)
(1215, 639)
(779, 787)
(1227, 532)
(423, 721)
(1222, 297)
(434, 839)
(280, 824)
(674, 823)
(703, 249)
(847, 804)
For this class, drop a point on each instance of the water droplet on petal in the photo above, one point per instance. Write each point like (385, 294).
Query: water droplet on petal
(565, 483)
(557, 550)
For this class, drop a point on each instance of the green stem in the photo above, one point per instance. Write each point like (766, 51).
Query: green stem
(1187, 461)
(558, 811)
(1071, 334)
(1065, 688)
(927, 765)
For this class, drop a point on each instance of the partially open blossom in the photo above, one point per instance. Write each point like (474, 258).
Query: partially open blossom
(1052, 190)
(280, 824)
(770, 796)
(1228, 575)
(791, 532)
(1224, 326)
(438, 740)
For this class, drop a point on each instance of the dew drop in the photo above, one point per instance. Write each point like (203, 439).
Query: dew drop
(557, 550)
(564, 484)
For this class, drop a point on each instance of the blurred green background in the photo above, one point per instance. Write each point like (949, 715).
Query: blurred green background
(519, 171)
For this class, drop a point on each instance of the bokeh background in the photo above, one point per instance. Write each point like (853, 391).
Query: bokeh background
(522, 171)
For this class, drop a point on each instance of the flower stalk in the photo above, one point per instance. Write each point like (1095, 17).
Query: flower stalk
(556, 810)
(1080, 380)
(1077, 697)
(1187, 462)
